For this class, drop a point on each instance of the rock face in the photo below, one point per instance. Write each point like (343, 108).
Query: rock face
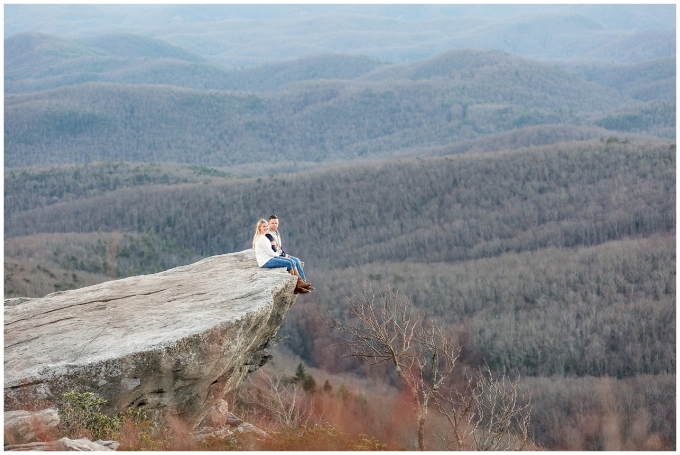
(219, 416)
(172, 343)
(65, 445)
(219, 423)
(22, 427)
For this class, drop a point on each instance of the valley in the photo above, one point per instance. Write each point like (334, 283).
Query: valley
(517, 183)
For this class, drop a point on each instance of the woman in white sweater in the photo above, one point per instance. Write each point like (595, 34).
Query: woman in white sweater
(267, 258)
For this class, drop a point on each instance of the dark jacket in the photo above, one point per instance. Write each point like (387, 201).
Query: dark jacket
(277, 245)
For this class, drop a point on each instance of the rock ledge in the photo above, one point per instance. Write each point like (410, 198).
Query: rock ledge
(173, 342)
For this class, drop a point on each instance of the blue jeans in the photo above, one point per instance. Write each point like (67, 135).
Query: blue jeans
(298, 266)
(285, 262)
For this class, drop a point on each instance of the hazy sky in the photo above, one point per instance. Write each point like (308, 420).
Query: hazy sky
(248, 35)
(78, 19)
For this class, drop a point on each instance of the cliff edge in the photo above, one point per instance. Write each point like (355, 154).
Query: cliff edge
(172, 343)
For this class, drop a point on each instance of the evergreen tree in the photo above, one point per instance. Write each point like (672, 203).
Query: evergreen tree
(299, 373)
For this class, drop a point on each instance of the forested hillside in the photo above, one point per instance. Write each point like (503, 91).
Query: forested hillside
(40, 264)
(554, 311)
(646, 81)
(29, 188)
(465, 95)
(555, 196)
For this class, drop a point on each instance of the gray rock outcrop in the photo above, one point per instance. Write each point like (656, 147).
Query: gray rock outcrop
(172, 343)
(23, 427)
(64, 445)
(217, 415)
(203, 433)
(112, 445)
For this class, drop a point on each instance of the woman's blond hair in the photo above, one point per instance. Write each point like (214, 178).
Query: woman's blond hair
(257, 230)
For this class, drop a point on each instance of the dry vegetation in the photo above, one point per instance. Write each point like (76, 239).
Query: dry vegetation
(380, 327)
(353, 413)
(386, 330)
(568, 413)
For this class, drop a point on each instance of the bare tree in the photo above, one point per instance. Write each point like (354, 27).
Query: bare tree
(385, 330)
(283, 402)
(490, 414)
(487, 415)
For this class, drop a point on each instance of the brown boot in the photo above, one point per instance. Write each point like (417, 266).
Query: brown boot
(303, 284)
(299, 290)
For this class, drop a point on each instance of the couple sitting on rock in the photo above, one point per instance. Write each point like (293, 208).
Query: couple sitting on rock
(269, 254)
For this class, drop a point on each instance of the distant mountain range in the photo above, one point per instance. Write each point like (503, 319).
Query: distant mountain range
(650, 80)
(296, 86)
(35, 62)
(250, 35)
(145, 100)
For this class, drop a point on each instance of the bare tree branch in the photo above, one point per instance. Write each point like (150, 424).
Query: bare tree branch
(283, 401)
(487, 415)
(387, 330)
(490, 414)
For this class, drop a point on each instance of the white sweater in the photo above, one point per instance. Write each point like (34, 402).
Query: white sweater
(263, 250)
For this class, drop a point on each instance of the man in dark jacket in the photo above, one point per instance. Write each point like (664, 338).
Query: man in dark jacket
(275, 238)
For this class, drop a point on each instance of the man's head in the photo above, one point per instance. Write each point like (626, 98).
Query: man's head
(274, 222)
